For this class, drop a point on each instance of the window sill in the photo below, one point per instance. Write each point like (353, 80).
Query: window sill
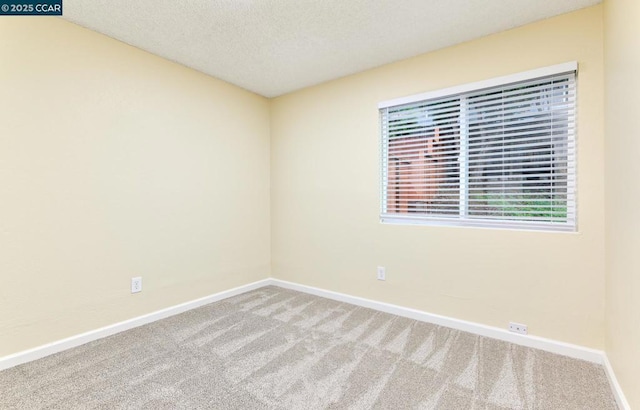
(477, 223)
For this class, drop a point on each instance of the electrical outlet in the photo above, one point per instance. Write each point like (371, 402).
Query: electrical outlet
(382, 275)
(518, 328)
(136, 284)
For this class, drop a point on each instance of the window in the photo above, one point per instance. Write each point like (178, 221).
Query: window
(499, 153)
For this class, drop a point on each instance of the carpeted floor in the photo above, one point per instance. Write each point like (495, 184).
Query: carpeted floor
(279, 349)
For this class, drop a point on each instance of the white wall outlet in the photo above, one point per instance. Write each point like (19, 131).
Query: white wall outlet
(518, 328)
(136, 284)
(382, 273)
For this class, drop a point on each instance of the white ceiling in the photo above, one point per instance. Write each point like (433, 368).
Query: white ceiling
(273, 47)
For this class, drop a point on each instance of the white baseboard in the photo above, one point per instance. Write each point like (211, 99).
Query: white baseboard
(621, 400)
(549, 345)
(73, 341)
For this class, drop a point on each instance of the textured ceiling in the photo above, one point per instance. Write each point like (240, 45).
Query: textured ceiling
(273, 47)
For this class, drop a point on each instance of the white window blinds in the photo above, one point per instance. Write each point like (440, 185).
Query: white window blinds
(502, 155)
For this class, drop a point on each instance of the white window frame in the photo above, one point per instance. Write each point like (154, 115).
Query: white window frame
(572, 221)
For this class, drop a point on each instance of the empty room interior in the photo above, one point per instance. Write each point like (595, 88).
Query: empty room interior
(321, 204)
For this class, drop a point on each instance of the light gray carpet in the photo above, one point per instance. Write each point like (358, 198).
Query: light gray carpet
(279, 349)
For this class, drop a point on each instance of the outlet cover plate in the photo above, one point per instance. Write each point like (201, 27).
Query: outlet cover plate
(136, 284)
(518, 328)
(382, 274)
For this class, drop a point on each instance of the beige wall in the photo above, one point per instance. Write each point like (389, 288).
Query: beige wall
(116, 163)
(325, 195)
(622, 105)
